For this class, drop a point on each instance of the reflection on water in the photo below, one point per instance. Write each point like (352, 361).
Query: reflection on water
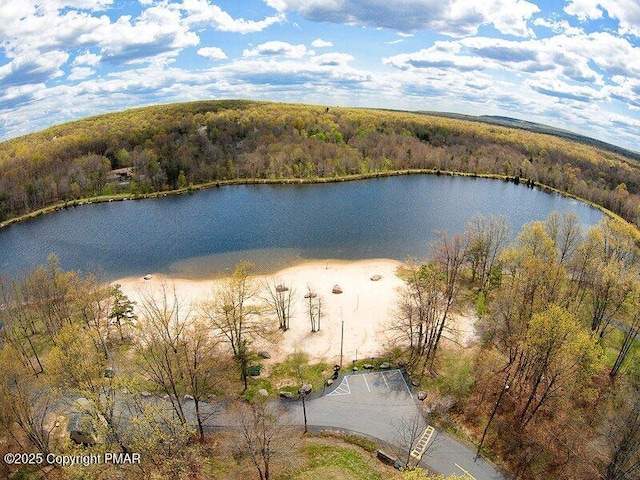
(222, 264)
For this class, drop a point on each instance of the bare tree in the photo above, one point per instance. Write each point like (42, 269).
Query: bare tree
(487, 237)
(423, 311)
(234, 311)
(26, 401)
(566, 232)
(408, 432)
(205, 369)
(624, 437)
(163, 329)
(278, 297)
(77, 365)
(630, 327)
(265, 434)
(19, 326)
(314, 309)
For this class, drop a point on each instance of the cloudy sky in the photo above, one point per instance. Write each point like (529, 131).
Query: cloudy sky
(574, 64)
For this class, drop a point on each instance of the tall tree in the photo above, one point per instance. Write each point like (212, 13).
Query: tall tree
(314, 309)
(487, 237)
(122, 310)
(265, 435)
(78, 366)
(163, 328)
(205, 368)
(532, 280)
(26, 401)
(234, 312)
(566, 231)
(624, 435)
(422, 313)
(557, 358)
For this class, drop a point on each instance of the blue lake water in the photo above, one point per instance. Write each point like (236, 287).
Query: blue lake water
(208, 232)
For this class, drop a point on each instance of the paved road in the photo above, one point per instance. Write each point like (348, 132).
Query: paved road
(378, 404)
(374, 404)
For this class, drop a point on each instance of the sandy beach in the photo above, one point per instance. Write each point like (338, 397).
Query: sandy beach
(365, 306)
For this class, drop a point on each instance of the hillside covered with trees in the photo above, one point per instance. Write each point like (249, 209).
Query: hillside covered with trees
(174, 146)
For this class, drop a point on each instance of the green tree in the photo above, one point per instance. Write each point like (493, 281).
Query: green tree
(557, 358)
(26, 403)
(122, 310)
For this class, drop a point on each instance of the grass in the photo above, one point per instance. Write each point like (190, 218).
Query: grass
(331, 461)
(295, 370)
(324, 456)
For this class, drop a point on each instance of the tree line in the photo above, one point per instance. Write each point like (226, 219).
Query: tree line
(555, 380)
(174, 146)
(149, 377)
(553, 388)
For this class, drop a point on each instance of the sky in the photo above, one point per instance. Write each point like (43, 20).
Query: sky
(572, 64)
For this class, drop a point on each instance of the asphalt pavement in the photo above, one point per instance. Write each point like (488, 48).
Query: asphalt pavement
(380, 405)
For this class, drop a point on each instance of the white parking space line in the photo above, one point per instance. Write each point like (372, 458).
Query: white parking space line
(366, 383)
(385, 380)
(343, 389)
(405, 383)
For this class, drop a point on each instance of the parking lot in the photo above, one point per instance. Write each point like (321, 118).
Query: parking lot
(357, 401)
(379, 404)
(389, 385)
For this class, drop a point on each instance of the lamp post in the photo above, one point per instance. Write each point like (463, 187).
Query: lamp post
(304, 408)
(341, 335)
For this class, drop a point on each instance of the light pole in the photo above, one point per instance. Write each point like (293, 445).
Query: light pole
(304, 408)
(341, 335)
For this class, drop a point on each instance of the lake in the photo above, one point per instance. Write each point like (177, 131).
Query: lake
(208, 232)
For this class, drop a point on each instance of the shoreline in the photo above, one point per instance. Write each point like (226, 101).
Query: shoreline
(297, 181)
(364, 306)
(362, 311)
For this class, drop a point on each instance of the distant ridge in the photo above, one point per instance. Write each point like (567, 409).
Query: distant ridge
(539, 128)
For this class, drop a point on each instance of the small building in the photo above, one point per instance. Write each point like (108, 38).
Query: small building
(120, 175)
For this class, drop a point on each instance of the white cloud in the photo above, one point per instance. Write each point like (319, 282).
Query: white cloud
(276, 48)
(319, 43)
(584, 9)
(455, 17)
(585, 58)
(627, 12)
(212, 53)
(556, 88)
(333, 59)
(201, 12)
(78, 73)
(87, 58)
(26, 69)
(158, 31)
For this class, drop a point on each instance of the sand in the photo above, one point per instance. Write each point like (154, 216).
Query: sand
(363, 309)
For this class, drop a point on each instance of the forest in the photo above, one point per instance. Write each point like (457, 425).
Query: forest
(179, 146)
(550, 390)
